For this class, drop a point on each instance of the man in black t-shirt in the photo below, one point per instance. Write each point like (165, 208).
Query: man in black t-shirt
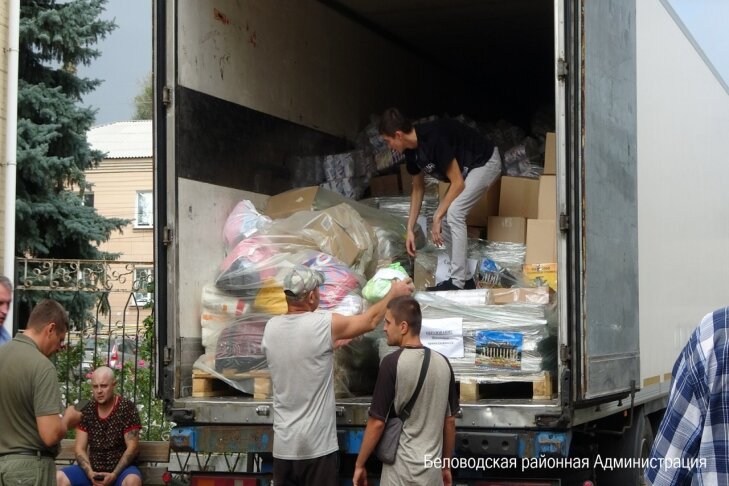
(107, 439)
(451, 152)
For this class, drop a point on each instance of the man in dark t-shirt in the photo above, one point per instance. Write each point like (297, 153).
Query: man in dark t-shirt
(451, 152)
(107, 440)
(430, 430)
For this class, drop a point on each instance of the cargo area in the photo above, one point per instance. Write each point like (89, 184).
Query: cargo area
(602, 246)
(269, 98)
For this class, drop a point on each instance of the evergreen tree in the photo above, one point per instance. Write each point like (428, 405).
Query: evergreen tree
(143, 101)
(53, 153)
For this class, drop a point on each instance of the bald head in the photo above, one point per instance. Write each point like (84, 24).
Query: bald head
(102, 386)
(103, 373)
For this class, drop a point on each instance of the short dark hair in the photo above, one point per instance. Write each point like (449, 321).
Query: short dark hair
(405, 308)
(47, 311)
(392, 120)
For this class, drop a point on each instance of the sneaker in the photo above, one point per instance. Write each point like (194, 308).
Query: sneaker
(444, 285)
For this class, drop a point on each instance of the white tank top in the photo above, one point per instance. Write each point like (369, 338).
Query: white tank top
(299, 351)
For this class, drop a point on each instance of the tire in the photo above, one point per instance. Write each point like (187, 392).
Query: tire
(636, 442)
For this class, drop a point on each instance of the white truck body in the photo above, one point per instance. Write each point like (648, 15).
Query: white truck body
(641, 118)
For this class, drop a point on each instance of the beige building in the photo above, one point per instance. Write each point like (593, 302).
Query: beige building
(122, 188)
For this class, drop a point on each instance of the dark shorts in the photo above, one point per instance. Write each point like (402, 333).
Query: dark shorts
(322, 471)
(78, 477)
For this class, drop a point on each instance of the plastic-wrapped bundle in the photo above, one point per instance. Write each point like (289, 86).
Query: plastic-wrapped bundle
(500, 263)
(350, 305)
(219, 302)
(504, 270)
(242, 222)
(524, 332)
(337, 230)
(390, 230)
(243, 277)
(372, 143)
(350, 187)
(504, 134)
(233, 351)
(523, 159)
(307, 170)
(252, 262)
(399, 206)
(339, 282)
(239, 345)
(356, 163)
(233, 354)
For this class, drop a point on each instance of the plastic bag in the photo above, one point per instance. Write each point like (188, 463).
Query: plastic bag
(243, 221)
(379, 285)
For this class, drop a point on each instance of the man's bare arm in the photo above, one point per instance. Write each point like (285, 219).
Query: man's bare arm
(81, 451)
(52, 428)
(131, 439)
(346, 327)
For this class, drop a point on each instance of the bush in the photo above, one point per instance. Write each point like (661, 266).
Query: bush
(134, 380)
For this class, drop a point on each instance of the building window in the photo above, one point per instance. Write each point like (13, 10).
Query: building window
(145, 215)
(88, 199)
(143, 284)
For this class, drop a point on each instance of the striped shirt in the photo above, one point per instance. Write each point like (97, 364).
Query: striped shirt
(692, 445)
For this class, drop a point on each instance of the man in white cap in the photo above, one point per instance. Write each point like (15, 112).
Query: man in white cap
(299, 348)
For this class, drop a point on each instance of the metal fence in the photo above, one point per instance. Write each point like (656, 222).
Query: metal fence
(110, 306)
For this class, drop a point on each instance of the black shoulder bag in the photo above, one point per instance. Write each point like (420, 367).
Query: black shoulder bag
(387, 447)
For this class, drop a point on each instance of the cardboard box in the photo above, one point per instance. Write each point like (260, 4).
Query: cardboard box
(519, 197)
(387, 185)
(406, 180)
(487, 206)
(504, 228)
(547, 197)
(336, 240)
(541, 274)
(541, 241)
(550, 154)
(290, 202)
(536, 295)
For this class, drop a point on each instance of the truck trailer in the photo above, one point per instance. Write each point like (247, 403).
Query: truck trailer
(640, 117)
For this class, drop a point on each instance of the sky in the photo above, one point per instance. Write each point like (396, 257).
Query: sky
(125, 61)
(126, 57)
(707, 22)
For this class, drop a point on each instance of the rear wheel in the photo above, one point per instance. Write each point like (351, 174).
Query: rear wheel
(635, 442)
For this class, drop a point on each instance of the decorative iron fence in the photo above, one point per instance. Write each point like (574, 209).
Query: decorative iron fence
(110, 306)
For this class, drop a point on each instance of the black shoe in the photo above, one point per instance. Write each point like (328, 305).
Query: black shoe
(444, 285)
(470, 284)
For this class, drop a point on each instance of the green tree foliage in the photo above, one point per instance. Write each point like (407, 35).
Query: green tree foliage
(144, 100)
(53, 153)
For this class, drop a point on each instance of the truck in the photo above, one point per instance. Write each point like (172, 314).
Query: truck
(640, 116)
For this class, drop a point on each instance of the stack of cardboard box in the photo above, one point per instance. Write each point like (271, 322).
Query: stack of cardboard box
(528, 214)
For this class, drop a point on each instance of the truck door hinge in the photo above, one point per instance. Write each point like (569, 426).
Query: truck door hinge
(166, 355)
(564, 223)
(166, 235)
(166, 96)
(565, 353)
(562, 69)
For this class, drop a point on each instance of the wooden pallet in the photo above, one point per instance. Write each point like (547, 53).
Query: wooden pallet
(537, 386)
(207, 385)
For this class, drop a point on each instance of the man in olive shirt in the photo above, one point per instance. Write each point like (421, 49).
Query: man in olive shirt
(30, 399)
